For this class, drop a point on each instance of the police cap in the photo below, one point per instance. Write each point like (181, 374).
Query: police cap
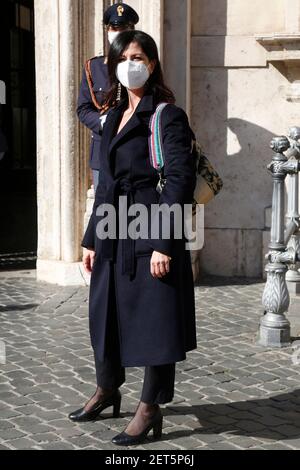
(120, 14)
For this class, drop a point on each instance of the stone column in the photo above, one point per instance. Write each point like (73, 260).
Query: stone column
(98, 27)
(177, 50)
(63, 36)
(151, 18)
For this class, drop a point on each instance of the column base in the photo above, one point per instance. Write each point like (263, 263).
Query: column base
(274, 337)
(293, 287)
(61, 273)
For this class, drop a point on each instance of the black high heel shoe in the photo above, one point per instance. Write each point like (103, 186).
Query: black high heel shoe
(113, 400)
(156, 423)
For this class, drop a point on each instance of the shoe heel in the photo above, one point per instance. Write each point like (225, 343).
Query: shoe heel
(117, 407)
(157, 429)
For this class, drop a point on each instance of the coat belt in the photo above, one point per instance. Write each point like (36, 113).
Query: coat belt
(128, 188)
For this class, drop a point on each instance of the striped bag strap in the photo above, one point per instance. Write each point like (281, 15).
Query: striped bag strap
(155, 139)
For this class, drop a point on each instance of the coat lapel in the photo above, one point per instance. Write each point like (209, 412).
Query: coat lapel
(144, 106)
(110, 139)
(133, 122)
(109, 131)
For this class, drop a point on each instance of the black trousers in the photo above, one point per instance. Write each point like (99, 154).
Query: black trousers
(159, 380)
(158, 385)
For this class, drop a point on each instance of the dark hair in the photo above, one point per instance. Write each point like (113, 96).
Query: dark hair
(155, 83)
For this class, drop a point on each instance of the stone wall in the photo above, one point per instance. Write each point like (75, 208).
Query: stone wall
(239, 101)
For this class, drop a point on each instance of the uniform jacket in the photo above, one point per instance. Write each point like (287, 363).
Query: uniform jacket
(156, 317)
(87, 112)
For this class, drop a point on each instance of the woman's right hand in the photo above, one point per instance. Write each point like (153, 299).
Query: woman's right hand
(88, 259)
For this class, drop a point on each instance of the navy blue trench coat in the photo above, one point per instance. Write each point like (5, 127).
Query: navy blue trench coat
(156, 316)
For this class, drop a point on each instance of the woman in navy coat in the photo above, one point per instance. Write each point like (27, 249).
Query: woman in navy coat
(142, 307)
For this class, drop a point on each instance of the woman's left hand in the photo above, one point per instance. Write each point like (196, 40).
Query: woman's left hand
(160, 264)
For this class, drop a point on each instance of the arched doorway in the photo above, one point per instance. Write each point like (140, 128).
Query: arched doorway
(18, 208)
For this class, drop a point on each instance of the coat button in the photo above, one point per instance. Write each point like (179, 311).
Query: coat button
(100, 89)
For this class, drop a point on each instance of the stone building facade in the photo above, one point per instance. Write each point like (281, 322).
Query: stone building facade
(234, 67)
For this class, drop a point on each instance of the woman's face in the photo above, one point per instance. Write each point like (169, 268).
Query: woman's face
(135, 53)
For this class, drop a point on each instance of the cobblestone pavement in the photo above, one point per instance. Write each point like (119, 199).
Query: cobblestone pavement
(230, 393)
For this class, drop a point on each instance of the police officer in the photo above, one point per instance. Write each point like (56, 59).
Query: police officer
(95, 83)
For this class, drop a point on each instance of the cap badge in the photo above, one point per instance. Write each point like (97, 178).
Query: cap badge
(120, 10)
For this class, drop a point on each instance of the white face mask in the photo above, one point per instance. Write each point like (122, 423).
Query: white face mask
(132, 75)
(112, 36)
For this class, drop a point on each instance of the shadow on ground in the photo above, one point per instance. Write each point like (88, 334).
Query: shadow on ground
(17, 307)
(213, 281)
(277, 418)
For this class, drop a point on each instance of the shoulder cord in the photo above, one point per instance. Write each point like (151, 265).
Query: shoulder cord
(101, 108)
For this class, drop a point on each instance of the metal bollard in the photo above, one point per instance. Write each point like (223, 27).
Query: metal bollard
(274, 328)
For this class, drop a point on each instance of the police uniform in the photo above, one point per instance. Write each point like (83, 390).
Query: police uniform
(95, 84)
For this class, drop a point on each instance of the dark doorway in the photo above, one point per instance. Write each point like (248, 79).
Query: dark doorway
(18, 204)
